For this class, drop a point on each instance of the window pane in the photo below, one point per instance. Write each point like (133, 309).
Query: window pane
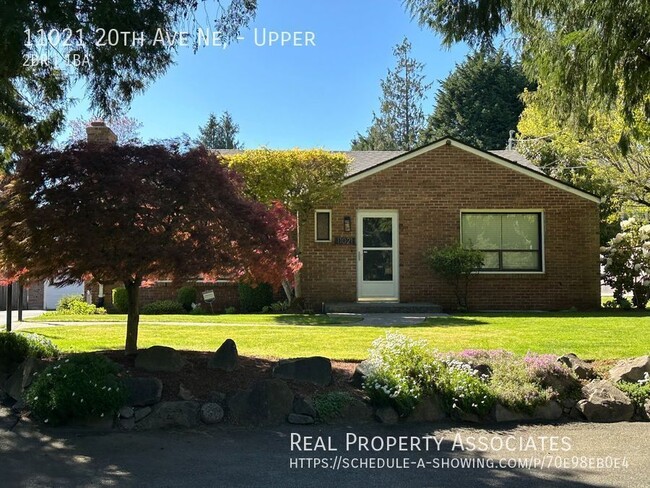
(377, 232)
(481, 231)
(521, 260)
(378, 265)
(520, 231)
(490, 260)
(322, 226)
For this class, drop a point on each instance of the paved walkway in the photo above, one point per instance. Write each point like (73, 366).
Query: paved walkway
(386, 319)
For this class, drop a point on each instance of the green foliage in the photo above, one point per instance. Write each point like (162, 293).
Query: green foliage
(230, 310)
(586, 54)
(626, 263)
(638, 392)
(329, 405)
(456, 265)
(81, 386)
(255, 298)
(220, 133)
(301, 180)
(162, 307)
(403, 370)
(120, 300)
(187, 296)
(199, 310)
(400, 117)
(76, 305)
(16, 347)
(479, 102)
(515, 387)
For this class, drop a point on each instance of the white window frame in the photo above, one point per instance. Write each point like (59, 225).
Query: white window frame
(542, 239)
(316, 212)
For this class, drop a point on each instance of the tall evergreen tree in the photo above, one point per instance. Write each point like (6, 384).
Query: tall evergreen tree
(220, 133)
(590, 56)
(479, 102)
(400, 118)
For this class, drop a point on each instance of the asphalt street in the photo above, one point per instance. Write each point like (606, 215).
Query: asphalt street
(570, 454)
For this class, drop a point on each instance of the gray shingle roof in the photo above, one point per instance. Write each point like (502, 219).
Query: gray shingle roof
(364, 160)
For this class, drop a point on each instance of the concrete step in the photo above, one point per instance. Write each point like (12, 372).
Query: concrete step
(382, 307)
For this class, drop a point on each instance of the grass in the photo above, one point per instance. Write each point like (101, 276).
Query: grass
(598, 335)
(221, 319)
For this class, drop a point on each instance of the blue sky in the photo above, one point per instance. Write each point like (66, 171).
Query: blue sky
(289, 96)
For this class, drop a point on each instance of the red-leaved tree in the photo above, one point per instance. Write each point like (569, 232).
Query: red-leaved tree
(135, 214)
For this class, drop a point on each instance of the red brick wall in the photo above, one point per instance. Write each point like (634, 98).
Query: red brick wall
(429, 191)
(226, 294)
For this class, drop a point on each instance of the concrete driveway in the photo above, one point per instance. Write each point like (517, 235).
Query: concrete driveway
(612, 455)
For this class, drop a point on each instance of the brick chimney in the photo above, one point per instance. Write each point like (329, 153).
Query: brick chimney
(99, 133)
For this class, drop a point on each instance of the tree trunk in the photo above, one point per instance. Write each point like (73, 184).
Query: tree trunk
(133, 318)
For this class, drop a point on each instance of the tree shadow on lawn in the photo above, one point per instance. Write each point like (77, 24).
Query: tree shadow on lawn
(358, 322)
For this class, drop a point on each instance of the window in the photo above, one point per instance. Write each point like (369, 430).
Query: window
(509, 241)
(323, 225)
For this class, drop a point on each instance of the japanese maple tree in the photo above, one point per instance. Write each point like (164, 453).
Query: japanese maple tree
(134, 214)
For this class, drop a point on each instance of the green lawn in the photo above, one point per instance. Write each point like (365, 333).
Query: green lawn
(598, 335)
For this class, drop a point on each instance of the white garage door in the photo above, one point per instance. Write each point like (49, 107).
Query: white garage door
(53, 294)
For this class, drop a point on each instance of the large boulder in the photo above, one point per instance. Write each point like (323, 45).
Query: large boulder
(171, 414)
(428, 409)
(300, 419)
(268, 402)
(550, 410)
(582, 369)
(22, 377)
(316, 370)
(360, 372)
(159, 358)
(603, 402)
(355, 410)
(226, 357)
(505, 414)
(631, 370)
(143, 391)
(303, 406)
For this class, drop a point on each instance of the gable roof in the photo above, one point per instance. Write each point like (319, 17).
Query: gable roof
(366, 163)
(518, 163)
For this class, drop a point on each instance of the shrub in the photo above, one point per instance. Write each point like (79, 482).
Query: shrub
(198, 310)
(187, 297)
(253, 299)
(162, 307)
(15, 347)
(400, 369)
(329, 405)
(515, 385)
(463, 390)
(279, 307)
(76, 305)
(81, 386)
(626, 263)
(456, 265)
(638, 392)
(120, 300)
(230, 310)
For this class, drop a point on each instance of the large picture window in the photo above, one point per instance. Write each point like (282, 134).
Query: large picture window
(509, 241)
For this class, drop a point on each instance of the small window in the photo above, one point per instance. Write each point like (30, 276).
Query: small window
(323, 226)
(509, 241)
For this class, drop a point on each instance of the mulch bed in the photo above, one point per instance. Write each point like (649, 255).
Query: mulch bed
(200, 381)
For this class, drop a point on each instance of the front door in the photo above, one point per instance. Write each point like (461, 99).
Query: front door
(377, 255)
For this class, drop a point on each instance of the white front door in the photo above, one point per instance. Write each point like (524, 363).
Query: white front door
(377, 255)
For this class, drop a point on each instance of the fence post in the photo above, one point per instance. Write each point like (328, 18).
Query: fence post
(21, 293)
(8, 308)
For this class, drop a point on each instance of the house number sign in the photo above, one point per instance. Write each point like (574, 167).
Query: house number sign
(345, 240)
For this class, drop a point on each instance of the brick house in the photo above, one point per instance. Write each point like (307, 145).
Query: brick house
(540, 236)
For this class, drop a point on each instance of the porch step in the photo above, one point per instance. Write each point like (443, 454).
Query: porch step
(381, 307)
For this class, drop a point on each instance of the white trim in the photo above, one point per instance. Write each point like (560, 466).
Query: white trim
(477, 152)
(542, 249)
(394, 214)
(316, 212)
